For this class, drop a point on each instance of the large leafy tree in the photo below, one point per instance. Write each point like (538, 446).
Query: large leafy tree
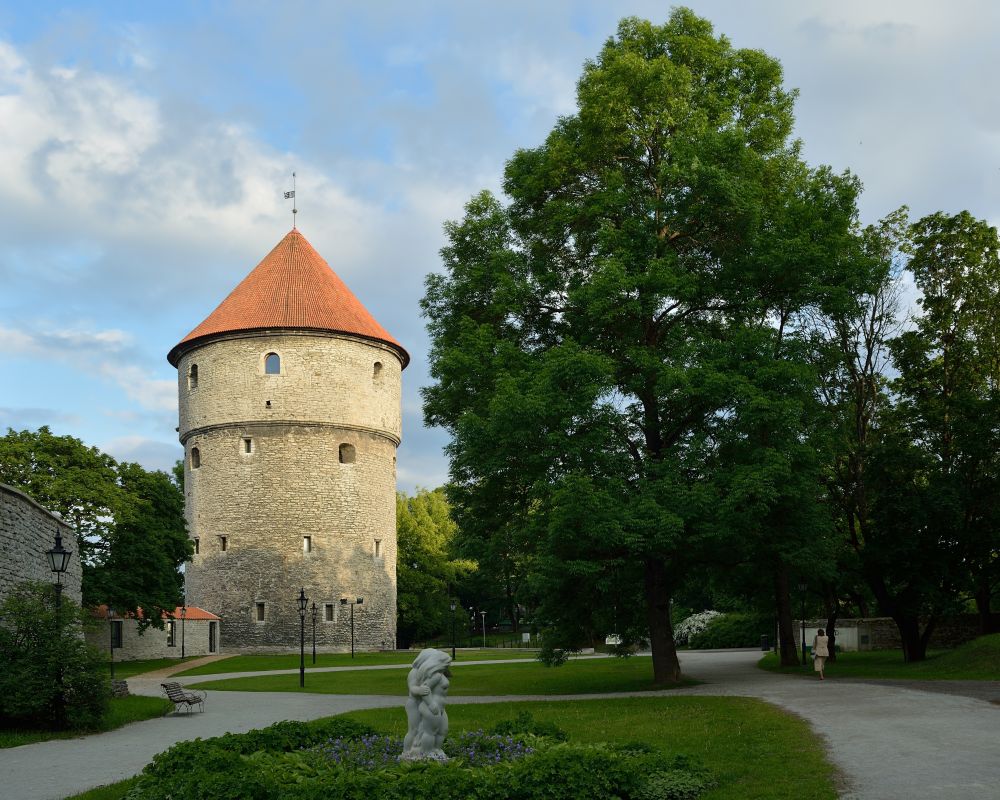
(138, 567)
(591, 337)
(79, 483)
(948, 396)
(427, 569)
(129, 523)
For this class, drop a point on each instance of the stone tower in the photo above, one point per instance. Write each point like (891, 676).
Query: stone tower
(290, 419)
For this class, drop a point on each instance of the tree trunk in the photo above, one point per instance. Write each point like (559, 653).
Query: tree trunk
(983, 597)
(666, 667)
(786, 627)
(832, 612)
(914, 642)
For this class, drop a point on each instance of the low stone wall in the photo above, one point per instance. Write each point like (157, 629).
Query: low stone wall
(27, 530)
(881, 633)
(154, 643)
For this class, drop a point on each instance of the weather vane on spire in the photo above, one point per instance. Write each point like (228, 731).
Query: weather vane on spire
(291, 196)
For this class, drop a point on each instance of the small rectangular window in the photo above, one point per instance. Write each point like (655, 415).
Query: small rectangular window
(171, 634)
(307, 544)
(378, 548)
(260, 612)
(224, 543)
(116, 634)
(328, 612)
(197, 545)
(248, 445)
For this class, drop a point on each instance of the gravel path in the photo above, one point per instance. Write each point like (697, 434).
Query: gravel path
(890, 742)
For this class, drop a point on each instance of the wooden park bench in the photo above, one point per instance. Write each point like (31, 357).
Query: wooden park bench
(183, 698)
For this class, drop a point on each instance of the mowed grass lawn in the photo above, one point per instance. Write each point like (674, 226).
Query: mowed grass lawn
(291, 660)
(129, 669)
(978, 660)
(121, 711)
(755, 751)
(580, 676)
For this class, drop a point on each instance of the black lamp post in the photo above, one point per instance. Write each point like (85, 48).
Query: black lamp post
(58, 558)
(314, 632)
(345, 602)
(453, 606)
(111, 640)
(483, 615)
(303, 602)
(184, 612)
(802, 591)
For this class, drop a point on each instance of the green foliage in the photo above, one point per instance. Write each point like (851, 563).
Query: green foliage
(129, 523)
(639, 301)
(64, 475)
(147, 545)
(732, 630)
(525, 723)
(426, 566)
(270, 764)
(670, 786)
(49, 678)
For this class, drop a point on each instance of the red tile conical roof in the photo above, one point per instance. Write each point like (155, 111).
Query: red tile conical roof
(293, 287)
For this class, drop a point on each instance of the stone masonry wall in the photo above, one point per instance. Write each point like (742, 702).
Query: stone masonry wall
(271, 477)
(153, 643)
(27, 530)
(325, 378)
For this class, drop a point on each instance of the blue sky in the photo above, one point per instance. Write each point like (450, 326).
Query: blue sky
(144, 149)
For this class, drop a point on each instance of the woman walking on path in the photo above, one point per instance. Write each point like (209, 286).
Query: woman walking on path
(821, 650)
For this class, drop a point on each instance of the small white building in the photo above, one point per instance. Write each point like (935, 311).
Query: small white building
(189, 631)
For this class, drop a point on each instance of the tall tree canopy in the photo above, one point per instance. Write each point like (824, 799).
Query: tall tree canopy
(130, 525)
(634, 303)
(427, 568)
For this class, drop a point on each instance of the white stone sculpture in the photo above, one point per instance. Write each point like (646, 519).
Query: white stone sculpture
(427, 721)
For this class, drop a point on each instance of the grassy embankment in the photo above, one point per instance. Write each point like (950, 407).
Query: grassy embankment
(291, 660)
(584, 676)
(121, 711)
(978, 660)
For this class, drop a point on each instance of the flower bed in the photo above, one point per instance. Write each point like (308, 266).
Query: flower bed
(338, 759)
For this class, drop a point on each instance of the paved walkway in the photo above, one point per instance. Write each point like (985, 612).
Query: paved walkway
(891, 743)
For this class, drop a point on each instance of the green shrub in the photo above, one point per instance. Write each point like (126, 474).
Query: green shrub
(670, 785)
(731, 630)
(50, 678)
(525, 723)
(291, 761)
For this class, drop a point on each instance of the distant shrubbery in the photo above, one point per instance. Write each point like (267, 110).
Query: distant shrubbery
(49, 677)
(710, 630)
(339, 759)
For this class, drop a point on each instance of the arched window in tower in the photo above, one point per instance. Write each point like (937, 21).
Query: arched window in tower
(348, 455)
(193, 377)
(377, 371)
(272, 364)
(195, 458)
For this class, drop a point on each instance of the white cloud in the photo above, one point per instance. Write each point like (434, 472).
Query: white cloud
(63, 343)
(151, 393)
(150, 453)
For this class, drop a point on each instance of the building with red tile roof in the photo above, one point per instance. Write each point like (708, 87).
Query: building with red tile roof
(290, 415)
(293, 288)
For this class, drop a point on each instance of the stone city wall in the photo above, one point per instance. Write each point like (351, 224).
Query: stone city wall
(27, 530)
